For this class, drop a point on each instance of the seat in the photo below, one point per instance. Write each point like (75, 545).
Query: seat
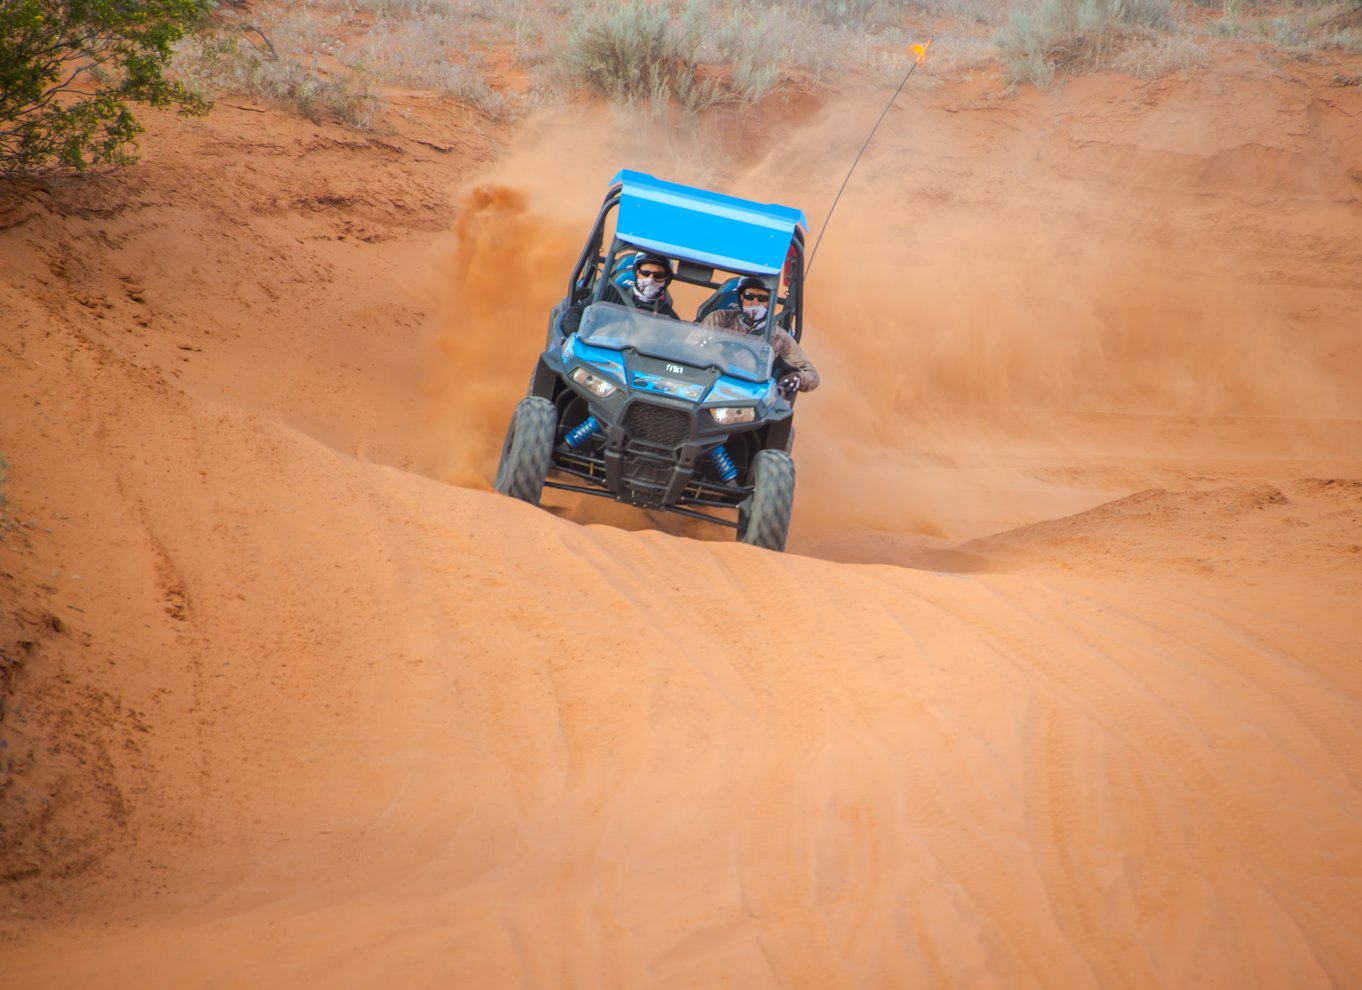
(724, 297)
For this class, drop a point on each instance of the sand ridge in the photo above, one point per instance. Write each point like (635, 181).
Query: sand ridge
(1056, 687)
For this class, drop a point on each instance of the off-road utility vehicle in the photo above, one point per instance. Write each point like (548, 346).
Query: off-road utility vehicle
(663, 413)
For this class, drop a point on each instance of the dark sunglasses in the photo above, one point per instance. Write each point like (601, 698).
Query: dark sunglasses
(651, 273)
(756, 297)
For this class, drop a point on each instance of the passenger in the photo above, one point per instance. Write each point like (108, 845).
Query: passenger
(652, 275)
(754, 298)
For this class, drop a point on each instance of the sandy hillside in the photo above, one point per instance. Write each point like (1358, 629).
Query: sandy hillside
(1058, 685)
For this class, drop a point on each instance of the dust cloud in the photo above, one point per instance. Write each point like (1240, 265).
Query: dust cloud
(1056, 303)
(492, 287)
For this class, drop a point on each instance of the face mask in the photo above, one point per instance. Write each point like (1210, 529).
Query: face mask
(649, 291)
(752, 315)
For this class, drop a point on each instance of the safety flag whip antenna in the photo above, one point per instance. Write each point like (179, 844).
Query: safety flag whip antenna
(921, 57)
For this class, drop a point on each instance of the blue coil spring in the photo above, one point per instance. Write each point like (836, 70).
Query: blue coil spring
(581, 433)
(723, 464)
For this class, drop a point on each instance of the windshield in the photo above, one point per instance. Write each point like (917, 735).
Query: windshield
(741, 355)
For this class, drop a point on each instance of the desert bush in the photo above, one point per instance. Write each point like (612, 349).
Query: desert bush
(641, 51)
(343, 96)
(629, 52)
(416, 52)
(979, 11)
(1346, 40)
(1284, 32)
(1026, 50)
(307, 56)
(875, 16)
(1307, 29)
(753, 41)
(1074, 35)
(285, 68)
(761, 41)
(69, 71)
(859, 15)
(1158, 57)
(1298, 28)
(398, 8)
(690, 54)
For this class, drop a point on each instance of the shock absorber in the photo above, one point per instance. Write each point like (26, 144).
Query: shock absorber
(581, 433)
(722, 464)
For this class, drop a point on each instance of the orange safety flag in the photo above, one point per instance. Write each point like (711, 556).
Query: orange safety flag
(921, 52)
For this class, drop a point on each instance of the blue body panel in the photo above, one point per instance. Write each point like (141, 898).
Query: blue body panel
(705, 227)
(610, 363)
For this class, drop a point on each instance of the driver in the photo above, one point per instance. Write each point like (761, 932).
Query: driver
(754, 298)
(648, 290)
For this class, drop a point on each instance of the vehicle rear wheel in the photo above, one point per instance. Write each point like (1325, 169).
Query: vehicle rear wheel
(764, 521)
(528, 448)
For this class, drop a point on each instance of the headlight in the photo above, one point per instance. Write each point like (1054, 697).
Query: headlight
(598, 386)
(733, 414)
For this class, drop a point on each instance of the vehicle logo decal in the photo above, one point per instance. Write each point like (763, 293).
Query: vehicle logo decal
(667, 386)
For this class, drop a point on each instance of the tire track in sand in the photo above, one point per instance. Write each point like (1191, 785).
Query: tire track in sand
(1066, 814)
(775, 844)
(995, 884)
(1152, 725)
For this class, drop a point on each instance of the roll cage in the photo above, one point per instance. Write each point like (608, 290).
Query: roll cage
(704, 233)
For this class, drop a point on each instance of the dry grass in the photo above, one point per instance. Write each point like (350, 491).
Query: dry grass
(1153, 58)
(1299, 30)
(333, 59)
(278, 67)
(416, 53)
(659, 54)
(1075, 36)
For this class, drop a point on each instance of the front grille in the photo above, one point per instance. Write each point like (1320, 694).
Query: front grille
(645, 479)
(656, 424)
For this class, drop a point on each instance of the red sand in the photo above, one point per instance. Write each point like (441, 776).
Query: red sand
(1058, 685)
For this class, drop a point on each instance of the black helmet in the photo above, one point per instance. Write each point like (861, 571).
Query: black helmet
(643, 257)
(752, 282)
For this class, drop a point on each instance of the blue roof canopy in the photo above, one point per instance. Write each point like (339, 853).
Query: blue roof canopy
(702, 226)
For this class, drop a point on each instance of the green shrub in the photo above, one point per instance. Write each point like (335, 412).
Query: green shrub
(69, 70)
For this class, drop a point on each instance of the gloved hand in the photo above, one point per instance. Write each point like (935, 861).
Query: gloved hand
(788, 385)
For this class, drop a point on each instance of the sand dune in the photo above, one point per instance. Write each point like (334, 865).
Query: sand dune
(1058, 685)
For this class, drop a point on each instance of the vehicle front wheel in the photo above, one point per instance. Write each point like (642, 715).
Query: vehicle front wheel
(764, 520)
(528, 448)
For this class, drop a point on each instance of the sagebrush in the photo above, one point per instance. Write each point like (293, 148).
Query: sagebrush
(1054, 36)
